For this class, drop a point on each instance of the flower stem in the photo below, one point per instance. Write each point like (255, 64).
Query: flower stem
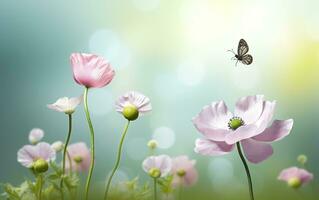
(40, 186)
(65, 153)
(250, 184)
(88, 118)
(155, 189)
(117, 163)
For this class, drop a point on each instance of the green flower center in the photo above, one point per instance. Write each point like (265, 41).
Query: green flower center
(154, 172)
(181, 172)
(235, 122)
(78, 159)
(294, 182)
(130, 112)
(40, 166)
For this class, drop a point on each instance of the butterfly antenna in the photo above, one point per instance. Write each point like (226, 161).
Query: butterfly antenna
(231, 50)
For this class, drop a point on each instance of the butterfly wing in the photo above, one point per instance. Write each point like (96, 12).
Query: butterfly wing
(247, 59)
(242, 47)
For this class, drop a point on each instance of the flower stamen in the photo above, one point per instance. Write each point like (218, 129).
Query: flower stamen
(235, 122)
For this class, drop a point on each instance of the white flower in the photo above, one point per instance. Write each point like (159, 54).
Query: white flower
(132, 104)
(30, 154)
(157, 166)
(66, 105)
(36, 135)
(57, 146)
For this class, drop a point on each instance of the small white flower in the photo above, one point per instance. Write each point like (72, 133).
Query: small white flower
(57, 146)
(36, 135)
(132, 104)
(157, 166)
(66, 105)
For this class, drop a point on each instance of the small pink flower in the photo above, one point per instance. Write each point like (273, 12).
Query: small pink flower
(29, 154)
(184, 171)
(36, 135)
(248, 125)
(132, 104)
(91, 70)
(157, 166)
(80, 157)
(295, 177)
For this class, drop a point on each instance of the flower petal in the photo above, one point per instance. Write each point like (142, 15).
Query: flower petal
(213, 120)
(45, 151)
(26, 155)
(278, 130)
(249, 108)
(255, 151)
(295, 172)
(251, 130)
(212, 148)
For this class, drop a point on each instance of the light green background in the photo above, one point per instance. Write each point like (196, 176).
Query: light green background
(174, 52)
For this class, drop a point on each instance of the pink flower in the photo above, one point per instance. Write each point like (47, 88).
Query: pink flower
(29, 154)
(295, 177)
(248, 125)
(132, 104)
(184, 171)
(157, 166)
(80, 157)
(91, 70)
(36, 135)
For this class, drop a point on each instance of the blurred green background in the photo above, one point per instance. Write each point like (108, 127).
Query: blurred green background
(175, 53)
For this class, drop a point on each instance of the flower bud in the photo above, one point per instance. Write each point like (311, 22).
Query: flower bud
(152, 144)
(302, 159)
(154, 173)
(57, 146)
(294, 182)
(130, 112)
(40, 166)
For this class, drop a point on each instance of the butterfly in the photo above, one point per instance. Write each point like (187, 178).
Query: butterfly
(242, 55)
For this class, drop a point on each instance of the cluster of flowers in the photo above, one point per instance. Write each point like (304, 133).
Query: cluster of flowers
(247, 129)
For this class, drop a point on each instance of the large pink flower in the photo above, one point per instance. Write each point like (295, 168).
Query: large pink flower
(91, 70)
(80, 157)
(184, 171)
(248, 125)
(295, 177)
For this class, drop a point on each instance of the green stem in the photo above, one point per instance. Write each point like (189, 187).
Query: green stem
(250, 184)
(65, 152)
(155, 189)
(117, 163)
(40, 187)
(70, 161)
(180, 188)
(88, 118)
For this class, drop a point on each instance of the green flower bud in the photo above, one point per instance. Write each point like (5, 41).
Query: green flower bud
(130, 112)
(294, 182)
(78, 159)
(302, 159)
(154, 173)
(152, 144)
(181, 173)
(40, 166)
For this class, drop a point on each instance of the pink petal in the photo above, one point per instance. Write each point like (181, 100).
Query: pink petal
(213, 120)
(255, 151)
(79, 149)
(249, 108)
(251, 130)
(91, 70)
(140, 101)
(305, 176)
(278, 130)
(212, 148)
(27, 155)
(45, 151)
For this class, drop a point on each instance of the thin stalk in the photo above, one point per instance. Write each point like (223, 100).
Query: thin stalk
(117, 163)
(250, 184)
(40, 187)
(155, 189)
(65, 154)
(88, 118)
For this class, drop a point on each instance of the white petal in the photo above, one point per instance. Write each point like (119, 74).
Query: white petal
(249, 108)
